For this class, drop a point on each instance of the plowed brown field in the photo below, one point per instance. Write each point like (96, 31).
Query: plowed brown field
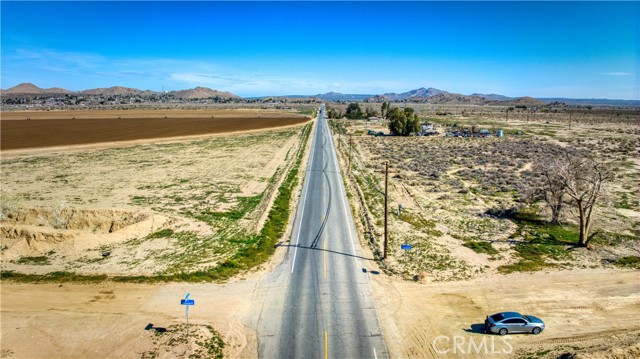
(64, 128)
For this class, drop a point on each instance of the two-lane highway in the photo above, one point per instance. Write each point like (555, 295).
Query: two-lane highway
(317, 302)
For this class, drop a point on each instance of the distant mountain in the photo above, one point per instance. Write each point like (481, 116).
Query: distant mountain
(447, 97)
(31, 89)
(591, 101)
(492, 96)
(202, 92)
(336, 96)
(435, 96)
(421, 93)
(523, 101)
(112, 91)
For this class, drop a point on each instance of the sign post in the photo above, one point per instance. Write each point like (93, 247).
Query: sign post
(405, 247)
(187, 302)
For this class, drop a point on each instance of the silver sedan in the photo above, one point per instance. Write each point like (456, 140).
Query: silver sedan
(513, 322)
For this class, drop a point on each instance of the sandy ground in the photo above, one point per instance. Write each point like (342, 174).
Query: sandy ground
(108, 320)
(584, 310)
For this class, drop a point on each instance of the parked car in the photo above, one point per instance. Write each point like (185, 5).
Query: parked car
(513, 322)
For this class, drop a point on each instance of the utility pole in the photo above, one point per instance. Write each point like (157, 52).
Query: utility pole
(386, 207)
(350, 146)
(386, 191)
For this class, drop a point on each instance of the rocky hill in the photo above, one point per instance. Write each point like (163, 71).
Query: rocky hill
(492, 96)
(417, 95)
(336, 96)
(31, 89)
(435, 96)
(202, 92)
(113, 91)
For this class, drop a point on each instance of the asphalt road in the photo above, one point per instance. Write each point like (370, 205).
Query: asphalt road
(317, 303)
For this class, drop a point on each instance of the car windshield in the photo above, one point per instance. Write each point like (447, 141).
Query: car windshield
(527, 318)
(497, 317)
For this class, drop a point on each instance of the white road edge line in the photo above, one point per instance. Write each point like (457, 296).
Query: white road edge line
(304, 199)
(343, 194)
(375, 356)
(346, 216)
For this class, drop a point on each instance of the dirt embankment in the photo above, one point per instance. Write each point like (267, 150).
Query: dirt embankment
(22, 130)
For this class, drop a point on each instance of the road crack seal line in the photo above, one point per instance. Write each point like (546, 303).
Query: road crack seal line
(314, 244)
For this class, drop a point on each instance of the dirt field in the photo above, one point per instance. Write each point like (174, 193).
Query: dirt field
(63, 128)
(164, 206)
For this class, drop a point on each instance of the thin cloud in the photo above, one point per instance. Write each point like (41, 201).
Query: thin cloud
(616, 73)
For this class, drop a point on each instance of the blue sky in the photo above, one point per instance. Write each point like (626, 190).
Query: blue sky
(540, 49)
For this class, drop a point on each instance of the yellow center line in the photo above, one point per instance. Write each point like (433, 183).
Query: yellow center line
(326, 345)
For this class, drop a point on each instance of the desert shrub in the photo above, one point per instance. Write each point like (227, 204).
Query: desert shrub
(480, 247)
(628, 262)
(10, 205)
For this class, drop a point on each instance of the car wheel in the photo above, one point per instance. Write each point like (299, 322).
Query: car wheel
(536, 330)
(502, 331)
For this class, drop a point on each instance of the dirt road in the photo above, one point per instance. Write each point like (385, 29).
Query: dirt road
(583, 309)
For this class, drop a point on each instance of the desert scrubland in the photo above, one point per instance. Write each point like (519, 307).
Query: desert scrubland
(479, 248)
(164, 208)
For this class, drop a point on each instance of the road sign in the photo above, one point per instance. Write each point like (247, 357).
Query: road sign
(406, 246)
(187, 302)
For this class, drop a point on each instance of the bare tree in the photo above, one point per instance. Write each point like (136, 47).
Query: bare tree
(571, 179)
(551, 189)
(583, 178)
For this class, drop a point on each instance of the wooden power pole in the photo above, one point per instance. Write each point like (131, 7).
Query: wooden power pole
(350, 153)
(386, 189)
(386, 208)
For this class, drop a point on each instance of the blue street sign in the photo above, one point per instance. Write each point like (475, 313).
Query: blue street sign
(406, 246)
(187, 302)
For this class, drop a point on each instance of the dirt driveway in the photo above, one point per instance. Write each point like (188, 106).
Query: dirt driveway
(584, 311)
